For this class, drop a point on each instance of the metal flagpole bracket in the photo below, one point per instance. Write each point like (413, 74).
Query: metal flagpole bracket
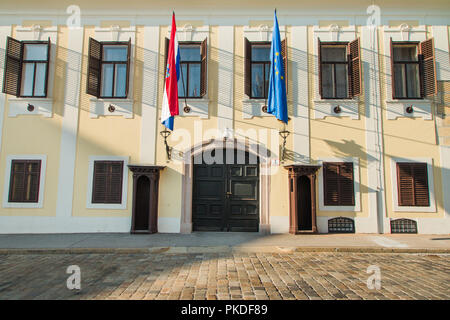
(165, 134)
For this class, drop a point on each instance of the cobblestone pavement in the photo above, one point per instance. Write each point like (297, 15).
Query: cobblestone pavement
(306, 275)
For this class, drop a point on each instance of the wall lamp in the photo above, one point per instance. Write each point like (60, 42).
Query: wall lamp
(165, 134)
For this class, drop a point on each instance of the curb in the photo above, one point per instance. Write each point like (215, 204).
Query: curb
(220, 249)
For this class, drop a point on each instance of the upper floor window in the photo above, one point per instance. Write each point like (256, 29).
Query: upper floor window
(413, 69)
(26, 68)
(339, 69)
(257, 68)
(193, 68)
(108, 69)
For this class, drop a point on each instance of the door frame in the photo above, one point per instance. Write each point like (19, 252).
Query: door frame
(264, 178)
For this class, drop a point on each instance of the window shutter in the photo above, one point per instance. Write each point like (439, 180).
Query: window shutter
(107, 184)
(428, 67)
(405, 184)
(127, 86)
(166, 53)
(99, 183)
(331, 184)
(204, 70)
(24, 181)
(346, 192)
(421, 197)
(114, 182)
(248, 67)
(13, 67)
(319, 62)
(94, 68)
(285, 66)
(355, 67)
(48, 66)
(392, 71)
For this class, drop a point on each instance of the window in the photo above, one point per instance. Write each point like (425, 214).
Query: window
(412, 182)
(339, 69)
(338, 184)
(108, 70)
(413, 69)
(257, 68)
(107, 182)
(26, 68)
(193, 68)
(24, 181)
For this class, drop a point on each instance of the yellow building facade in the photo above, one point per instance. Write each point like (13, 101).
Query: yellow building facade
(366, 149)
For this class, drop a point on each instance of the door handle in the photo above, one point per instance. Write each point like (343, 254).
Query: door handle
(229, 193)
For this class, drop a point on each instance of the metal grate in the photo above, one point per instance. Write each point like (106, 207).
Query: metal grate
(341, 225)
(403, 226)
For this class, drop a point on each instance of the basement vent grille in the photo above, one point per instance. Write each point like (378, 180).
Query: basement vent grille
(341, 225)
(403, 226)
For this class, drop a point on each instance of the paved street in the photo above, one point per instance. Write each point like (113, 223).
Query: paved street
(296, 275)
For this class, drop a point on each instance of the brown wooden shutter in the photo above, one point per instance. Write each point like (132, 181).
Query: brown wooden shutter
(392, 70)
(107, 184)
(247, 67)
(13, 67)
(284, 54)
(428, 68)
(355, 67)
(94, 68)
(204, 70)
(412, 180)
(49, 45)
(127, 86)
(331, 184)
(24, 181)
(319, 62)
(166, 53)
(346, 192)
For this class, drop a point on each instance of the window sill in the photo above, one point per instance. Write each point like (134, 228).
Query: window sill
(19, 106)
(108, 206)
(120, 107)
(326, 108)
(198, 107)
(397, 109)
(253, 108)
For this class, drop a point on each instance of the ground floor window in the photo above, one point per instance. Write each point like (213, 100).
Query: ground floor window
(412, 183)
(24, 181)
(107, 182)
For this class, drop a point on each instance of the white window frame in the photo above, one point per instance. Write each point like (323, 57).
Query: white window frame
(394, 183)
(113, 206)
(9, 159)
(356, 185)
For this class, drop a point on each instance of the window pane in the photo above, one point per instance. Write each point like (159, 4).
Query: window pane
(39, 84)
(27, 79)
(121, 80)
(35, 52)
(260, 53)
(257, 80)
(115, 53)
(194, 80)
(334, 54)
(405, 53)
(267, 78)
(107, 80)
(413, 84)
(341, 81)
(180, 80)
(327, 81)
(190, 53)
(399, 77)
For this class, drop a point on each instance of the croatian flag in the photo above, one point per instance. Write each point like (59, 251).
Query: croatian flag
(172, 74)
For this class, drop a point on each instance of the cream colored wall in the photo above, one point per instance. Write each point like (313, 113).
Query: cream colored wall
(31, 134)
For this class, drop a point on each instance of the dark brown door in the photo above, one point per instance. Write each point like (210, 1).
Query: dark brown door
(226, 194)
(142, 211)
(304, 204)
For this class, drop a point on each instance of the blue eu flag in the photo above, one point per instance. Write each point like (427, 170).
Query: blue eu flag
(277, 101)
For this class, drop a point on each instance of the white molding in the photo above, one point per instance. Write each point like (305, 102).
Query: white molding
(7, 173)
(199, 107)
(253, 108)
(169, 225)
(190, 33)
(19, 106)
(225, 85)
(100, 106)
(397, 108)
(356, 185)
(117, 206)
(262, 33)
(5, 31)
(394, 183)
(324, 107)
(441, 52)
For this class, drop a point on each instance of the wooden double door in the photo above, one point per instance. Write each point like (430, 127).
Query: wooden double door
(226, 192)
